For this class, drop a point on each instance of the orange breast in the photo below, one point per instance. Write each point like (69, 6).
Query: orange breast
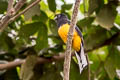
(63, 31)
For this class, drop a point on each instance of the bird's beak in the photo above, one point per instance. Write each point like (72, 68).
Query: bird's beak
(55, 18)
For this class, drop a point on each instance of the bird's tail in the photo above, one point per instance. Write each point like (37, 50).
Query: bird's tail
(81, 58)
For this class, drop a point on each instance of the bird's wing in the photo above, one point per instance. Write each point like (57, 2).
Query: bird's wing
(81, 57)
(80, 34)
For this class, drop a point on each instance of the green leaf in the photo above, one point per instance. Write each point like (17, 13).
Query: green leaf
(56, 49)
(52, 5)
(106, 1)
(94, 5)
(66, 6)
(11, 74)
(102, 53)
(29, 29)
(74, 71)
(35, 10)
(3, 5)
(106, 17)
(86, 22)
(82, 8)
(42, 17)
(53, 27)
(42, 37)
(63, 1)
(28, 67)
(9, 42)
(52, 71)
(43, 6)
(6, 42)
(112, 62)
(95, 61)
(117, 20)
(95, 36)
(110, 67)
(75, 74)
(56, 39)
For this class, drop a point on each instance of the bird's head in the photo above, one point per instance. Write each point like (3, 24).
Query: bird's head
(61, 19)
(60, 16)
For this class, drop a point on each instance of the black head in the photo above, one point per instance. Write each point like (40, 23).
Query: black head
(60, 16)
(61, 19)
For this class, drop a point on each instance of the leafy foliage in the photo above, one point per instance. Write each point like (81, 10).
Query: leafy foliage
(36, 31)
(3, 6)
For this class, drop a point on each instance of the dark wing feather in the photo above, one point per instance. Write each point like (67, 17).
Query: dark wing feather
(80, 34)
(81, 57)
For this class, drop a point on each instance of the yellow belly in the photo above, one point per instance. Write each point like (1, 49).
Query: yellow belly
(63, 31)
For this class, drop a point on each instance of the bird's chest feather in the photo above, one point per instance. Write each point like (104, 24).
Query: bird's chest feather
(63, 31)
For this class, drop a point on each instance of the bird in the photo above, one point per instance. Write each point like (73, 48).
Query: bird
(63, 24)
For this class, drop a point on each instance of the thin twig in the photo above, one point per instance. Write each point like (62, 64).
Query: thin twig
(88, 67)
(19, 4)
(10, 6)
(69, 41)
(11, 13)
(26, 9)
(5, 20)
(9, 18)
(12, 64)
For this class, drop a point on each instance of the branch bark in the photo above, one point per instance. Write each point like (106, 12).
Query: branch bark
(11, 64)
(5, 20)
(10, 13)
(26, 9)
(69, 41)
(10, 6)
(19, 4)
(11, 17)
(40, 60)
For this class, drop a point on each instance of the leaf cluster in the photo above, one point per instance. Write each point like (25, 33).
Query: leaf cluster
(36, 30)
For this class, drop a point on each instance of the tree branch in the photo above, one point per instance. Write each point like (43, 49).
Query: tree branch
(40, 60)
(11, 64)
(88, 67)
(19, 4)
(10, 6)
(106, 42)
(69, 41)
(61, 56)
(5, 20)
(26, 9)
(10, 13)
(9, 18)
